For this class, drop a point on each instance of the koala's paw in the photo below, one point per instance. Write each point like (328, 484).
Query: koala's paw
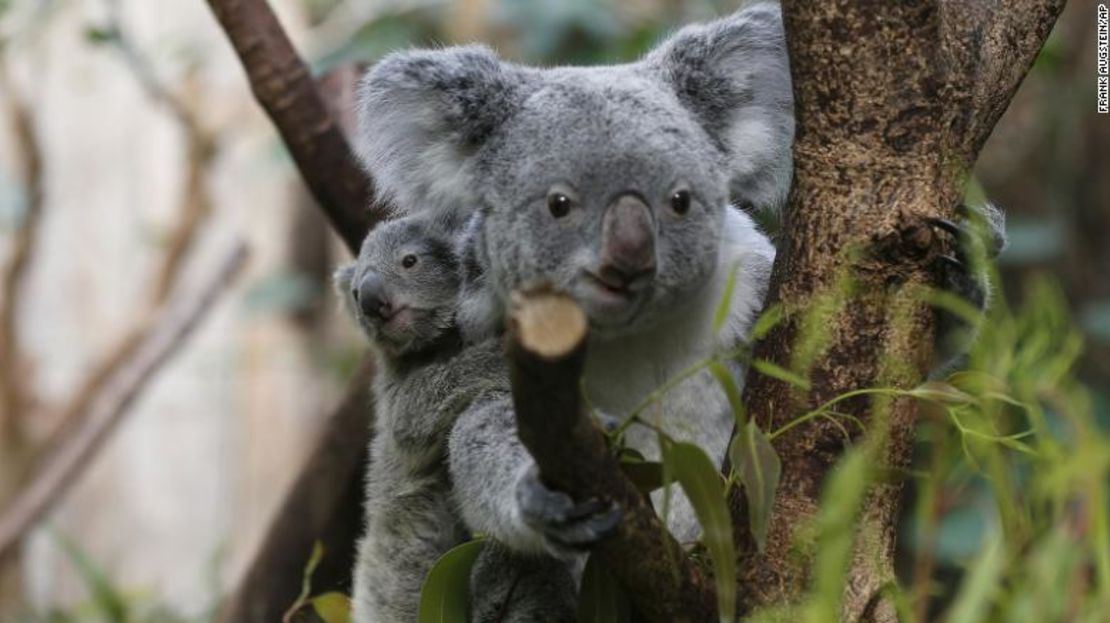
(568, 527)
(980, 235)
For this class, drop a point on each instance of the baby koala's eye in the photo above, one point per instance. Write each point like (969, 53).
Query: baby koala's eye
(680, 202)
(558, 204)
(408, 261)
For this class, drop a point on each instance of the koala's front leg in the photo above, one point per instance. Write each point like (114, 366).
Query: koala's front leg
(499, 492)
(980, 235)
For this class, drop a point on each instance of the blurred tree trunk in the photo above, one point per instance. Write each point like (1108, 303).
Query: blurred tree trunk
(893, 102)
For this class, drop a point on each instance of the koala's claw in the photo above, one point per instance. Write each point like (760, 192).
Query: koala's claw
(979, 233)
(566, 525)
(952, 262)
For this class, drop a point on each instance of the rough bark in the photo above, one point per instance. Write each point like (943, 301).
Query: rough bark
(893, 102)
(547, 352)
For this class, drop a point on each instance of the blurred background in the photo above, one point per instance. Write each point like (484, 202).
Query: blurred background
(133, 160)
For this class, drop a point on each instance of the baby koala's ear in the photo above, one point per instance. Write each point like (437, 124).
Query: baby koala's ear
(422, 114)
(342, 281)
(733, 74)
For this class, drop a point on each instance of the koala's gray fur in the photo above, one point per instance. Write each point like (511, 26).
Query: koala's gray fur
(424, 379)
(708, 116)
(709, 111)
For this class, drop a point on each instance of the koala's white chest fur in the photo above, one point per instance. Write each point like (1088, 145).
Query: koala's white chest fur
(622, 373)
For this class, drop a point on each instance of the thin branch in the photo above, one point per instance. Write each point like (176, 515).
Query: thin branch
(14, 398)
(547, 348)
(125, 385)
(192, 214)
(143, 71)
(283, 86)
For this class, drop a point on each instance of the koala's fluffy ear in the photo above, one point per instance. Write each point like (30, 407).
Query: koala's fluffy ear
(734, 75)
(422, 113)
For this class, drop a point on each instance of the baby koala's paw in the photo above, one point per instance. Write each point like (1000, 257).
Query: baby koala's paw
(979, 233)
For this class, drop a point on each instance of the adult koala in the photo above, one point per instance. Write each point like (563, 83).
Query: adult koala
(613, 183)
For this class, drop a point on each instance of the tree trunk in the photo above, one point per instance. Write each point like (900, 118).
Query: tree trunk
(893, 102)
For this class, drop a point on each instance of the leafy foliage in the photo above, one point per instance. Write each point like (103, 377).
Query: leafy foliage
(701, 481)
(447, 587)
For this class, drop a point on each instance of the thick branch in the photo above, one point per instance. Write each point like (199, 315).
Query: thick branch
(547, 349)
(282, 84)
(988, 47)
(62, 468)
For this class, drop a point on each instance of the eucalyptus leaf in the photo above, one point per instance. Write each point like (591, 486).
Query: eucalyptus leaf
(443, 599)
(980, 585)
(601, 599)
(333, 607)
(938, 391)
(646, 475)
(702, 483)
(759, 469)
(732, 391)
(724, 306)
(776, 371)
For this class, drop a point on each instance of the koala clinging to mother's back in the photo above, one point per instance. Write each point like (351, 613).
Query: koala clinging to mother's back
(613, 183)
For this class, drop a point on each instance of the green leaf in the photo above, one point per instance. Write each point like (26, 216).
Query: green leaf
(333, 607)
(106, 600)
(938, 391)
(732, 391)
(767, 321)
(756, 463)
(99, 36)
(443, 599)
(702, 483)
(776, 371)
(720, 317)
(601, 599)
(836, 530)
(980, 585)
(646, 475)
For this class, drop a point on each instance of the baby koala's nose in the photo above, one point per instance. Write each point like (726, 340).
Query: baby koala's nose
(371, 298)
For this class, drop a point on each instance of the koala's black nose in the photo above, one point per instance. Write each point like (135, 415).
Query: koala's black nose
(627, 243)
(371, 298)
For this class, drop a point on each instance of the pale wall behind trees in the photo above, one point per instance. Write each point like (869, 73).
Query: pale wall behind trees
(200, 463)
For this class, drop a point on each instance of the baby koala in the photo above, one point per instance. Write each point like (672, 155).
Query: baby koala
(403, 291)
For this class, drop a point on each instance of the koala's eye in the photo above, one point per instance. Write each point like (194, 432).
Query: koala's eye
(680, 202)
(408, 261)
(558, 204)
